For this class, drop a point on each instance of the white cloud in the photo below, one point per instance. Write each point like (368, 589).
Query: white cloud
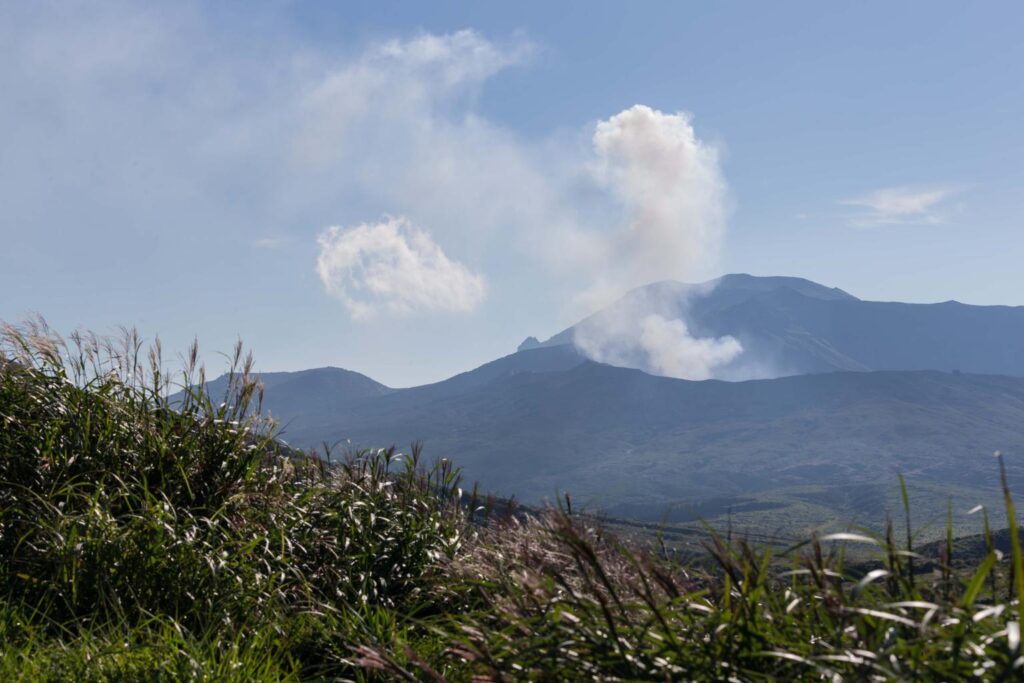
(899, 206)
(393, 267)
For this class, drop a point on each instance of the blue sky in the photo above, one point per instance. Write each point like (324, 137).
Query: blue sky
(409, 189)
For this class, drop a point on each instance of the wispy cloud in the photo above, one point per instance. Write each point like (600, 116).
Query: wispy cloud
(900, 206)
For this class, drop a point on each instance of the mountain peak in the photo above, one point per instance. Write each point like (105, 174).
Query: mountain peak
(529, 343)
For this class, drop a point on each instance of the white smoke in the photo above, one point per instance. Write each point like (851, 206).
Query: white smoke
(647, 329)
(672, 351)
(393, 267)
(661, 346)
(670, 189)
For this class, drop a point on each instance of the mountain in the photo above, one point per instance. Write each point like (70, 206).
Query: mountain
(309, 403)
(790, 326)
(869, 389)
(544, 421)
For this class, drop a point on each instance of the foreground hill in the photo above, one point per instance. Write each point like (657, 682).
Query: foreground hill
(792, 326)
(545, 420)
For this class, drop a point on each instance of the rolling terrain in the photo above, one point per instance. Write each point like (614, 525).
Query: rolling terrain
(637, 446)
(927, 391)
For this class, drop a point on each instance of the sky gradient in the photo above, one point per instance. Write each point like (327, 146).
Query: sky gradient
(409, 190)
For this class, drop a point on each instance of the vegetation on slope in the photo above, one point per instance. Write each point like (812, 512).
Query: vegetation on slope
(145, 540)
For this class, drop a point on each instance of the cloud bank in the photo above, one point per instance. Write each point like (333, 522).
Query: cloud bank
(393, 267)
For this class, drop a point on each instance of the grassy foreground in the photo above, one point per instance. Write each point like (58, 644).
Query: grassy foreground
(142, 539)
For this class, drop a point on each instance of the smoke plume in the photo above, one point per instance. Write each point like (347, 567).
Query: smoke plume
(669, 188)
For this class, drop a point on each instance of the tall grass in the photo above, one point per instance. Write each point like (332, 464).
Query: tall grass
(144, 537)
(126, 516)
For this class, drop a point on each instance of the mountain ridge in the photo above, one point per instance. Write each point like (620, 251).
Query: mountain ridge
(547, 419)
(795, 326)
(529, 433)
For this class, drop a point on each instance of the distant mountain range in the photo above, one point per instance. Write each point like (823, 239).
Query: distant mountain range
(870, 393)
(791, 326)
